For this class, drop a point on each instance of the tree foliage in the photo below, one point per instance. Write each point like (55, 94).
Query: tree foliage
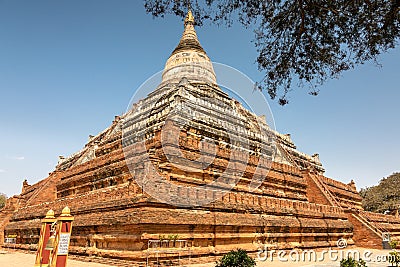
(236, 258)
(306, 41)
(3, 199)
(384, 196)
(350, 262)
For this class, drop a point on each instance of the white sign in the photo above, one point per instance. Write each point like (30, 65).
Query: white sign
(63, 244)
(9, 240)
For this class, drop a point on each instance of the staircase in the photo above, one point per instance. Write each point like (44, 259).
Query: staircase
(364, 233)
(109, 262)
(318, 191)
(383, 223)
(45, 191)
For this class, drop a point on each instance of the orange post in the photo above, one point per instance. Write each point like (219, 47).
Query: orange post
(43, 255)
(59, 254)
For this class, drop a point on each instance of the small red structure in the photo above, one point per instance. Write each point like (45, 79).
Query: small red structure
(43, 254)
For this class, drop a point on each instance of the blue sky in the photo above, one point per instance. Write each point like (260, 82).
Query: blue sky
(68, 67)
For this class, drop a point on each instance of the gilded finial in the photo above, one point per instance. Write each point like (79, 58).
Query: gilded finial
(189, 57)
(66, 212)
(50, 214)
(189, 18)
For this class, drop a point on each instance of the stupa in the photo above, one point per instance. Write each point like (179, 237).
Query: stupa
(178, 168)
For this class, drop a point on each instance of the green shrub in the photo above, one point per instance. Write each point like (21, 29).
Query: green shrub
(394, 258)
(393, 244)
(173, 237)
(236, 258)
(350, 262)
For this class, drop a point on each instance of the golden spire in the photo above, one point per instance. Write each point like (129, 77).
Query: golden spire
(189, 37)
(189, 59)
(189, 18)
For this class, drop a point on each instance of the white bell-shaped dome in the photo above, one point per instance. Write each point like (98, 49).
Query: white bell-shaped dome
(189, 59)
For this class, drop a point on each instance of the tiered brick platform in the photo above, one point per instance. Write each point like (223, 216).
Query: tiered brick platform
(294, 206)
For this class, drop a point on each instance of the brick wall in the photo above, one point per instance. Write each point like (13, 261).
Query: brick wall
(121, 218)
(362, 235)
(314, 194)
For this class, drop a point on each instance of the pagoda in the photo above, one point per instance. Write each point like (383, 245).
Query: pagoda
(190, 165)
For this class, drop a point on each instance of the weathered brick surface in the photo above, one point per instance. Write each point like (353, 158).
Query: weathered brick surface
(115, 217)
(119, 218)
(5, 216)
(362, 235)
(346, 194)
(314, 194)
(383, 223)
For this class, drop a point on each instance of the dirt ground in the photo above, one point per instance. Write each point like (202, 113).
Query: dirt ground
(18, 259)
(293, 258)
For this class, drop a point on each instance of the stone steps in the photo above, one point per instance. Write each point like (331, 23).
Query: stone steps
(363, 236)
(125, 263)
(314, 192)
(108, 261)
